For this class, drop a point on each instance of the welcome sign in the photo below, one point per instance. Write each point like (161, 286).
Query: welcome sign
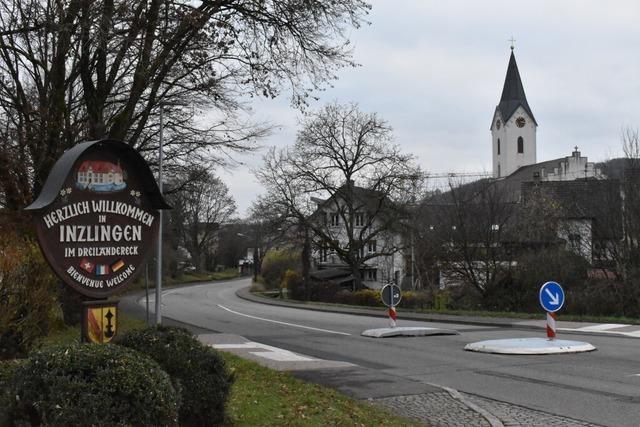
(97, 216)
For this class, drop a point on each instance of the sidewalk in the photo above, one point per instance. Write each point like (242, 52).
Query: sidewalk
(619, 329)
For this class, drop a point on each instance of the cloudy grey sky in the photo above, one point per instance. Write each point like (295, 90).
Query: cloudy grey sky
(434, 70)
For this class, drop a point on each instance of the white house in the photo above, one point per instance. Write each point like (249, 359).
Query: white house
(377, 243)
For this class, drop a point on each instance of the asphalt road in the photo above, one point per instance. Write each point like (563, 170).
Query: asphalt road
(601, 387)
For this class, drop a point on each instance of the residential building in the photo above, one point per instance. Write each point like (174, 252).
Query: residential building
(357, 230)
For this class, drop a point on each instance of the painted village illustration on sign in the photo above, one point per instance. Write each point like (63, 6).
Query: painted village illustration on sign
(100, 176)
(97, 228)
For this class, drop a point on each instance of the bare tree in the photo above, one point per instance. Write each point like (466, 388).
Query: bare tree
(199, 209)
(344, 165)
(465, 232)
(73, 70)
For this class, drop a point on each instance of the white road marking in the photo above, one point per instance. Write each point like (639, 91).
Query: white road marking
(601, 327)
(271, 353)
(283, 323)
(596, 328)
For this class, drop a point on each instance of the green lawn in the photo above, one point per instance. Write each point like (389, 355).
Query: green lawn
(264, 397)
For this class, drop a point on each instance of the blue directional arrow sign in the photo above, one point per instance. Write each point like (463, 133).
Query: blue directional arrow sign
(551, 297)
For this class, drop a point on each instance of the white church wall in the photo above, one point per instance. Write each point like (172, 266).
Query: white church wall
(509, 159)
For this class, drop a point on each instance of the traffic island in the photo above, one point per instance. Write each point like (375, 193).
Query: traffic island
(407, 331)
(529, 346)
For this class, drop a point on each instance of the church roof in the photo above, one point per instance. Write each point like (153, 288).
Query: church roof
(513, 93)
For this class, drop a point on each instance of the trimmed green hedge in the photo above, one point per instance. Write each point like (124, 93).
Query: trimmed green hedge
(199, 370)
(91, 385)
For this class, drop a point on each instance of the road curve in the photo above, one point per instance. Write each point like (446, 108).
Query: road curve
(601, 387)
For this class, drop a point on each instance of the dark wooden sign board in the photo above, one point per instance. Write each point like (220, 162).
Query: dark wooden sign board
(97, 216)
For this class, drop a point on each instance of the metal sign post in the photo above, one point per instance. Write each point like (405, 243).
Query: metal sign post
(551, 299)
(391, 296)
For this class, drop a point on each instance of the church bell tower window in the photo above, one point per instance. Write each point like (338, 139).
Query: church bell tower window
(498, 146)
(520, 145)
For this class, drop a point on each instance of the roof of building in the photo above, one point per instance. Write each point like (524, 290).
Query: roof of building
(97, 166)
(596, 199)
(363, 199)
(513, 93)
(512, 183)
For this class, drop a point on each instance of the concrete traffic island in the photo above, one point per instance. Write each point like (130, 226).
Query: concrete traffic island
(407, 331)
(529, 346)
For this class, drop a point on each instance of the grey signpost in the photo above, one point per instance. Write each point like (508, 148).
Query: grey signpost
(391, 296)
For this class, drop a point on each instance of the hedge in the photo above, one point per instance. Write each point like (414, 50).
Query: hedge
(199, 370)
(91, 385)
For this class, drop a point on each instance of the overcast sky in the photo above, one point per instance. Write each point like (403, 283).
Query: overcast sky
(434, 71)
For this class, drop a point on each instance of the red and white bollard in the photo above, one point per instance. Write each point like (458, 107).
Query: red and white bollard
(392, 317)
(551, 326)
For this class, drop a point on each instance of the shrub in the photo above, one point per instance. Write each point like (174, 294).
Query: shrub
(28, 304)
(323, 291)
(275, 264)
(7, 373)
(414, 299)
(365, 297)
(92, 384)
(199, 370)
(293, 283)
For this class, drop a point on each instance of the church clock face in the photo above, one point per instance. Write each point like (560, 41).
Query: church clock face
(498, 124)
(520, 122)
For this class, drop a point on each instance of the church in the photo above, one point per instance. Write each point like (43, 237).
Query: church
(514, 145)
(475, 230)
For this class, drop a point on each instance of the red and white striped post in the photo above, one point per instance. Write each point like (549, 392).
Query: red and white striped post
(551, 326)
(392, 317)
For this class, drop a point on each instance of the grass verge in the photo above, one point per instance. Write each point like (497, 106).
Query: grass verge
(264, 397)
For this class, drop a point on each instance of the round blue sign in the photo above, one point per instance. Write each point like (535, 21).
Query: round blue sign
(551, 297)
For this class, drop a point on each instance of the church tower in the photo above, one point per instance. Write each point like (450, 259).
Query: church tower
(513, 129)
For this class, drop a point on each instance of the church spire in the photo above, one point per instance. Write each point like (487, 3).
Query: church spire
(513, 92)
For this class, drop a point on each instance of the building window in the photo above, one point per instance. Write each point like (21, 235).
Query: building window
(372, 246)
(498, 170)
(372, 275)
(520, 145)
(359, 219)
(575, 242)
(360, 250)
(498, 146)
(324, 253)
(335, 219)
